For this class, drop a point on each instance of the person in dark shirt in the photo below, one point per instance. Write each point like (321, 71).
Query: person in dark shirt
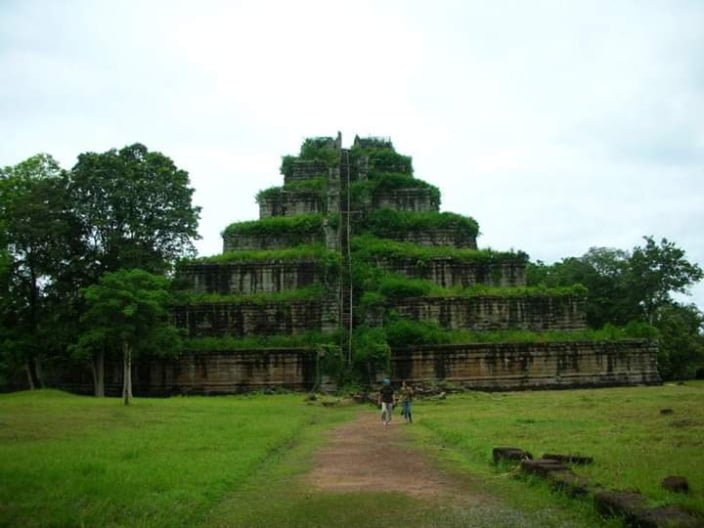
(386, 400)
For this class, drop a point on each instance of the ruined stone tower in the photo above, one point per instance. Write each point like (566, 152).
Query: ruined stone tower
(352, 270)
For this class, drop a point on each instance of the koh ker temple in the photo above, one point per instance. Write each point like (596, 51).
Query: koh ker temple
(352, 274)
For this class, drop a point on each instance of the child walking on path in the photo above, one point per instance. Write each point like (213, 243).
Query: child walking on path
(406, 399)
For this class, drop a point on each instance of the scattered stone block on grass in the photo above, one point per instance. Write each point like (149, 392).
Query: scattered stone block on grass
(618, 503)
(515, 454)
(676, 483)
(542, 467)
(569, 483)
(666, 411)
(671, 517)
(569, 459)
(631, 506)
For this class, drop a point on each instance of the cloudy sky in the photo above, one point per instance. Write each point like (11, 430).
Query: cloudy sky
(558, 125)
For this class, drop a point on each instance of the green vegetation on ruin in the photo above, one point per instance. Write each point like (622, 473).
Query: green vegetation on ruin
(320, 149)
(405, 332)
(480, 290)
(386, 223)
(304, 252)
(382, 158)
(369, 247)
(386, 286)
(278, 226)
(316, 186)
(373, 344)
(380, 183)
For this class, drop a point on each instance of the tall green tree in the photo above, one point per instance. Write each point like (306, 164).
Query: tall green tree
(127, 310)
(638, 286)
(681, 342)
(656, 271)
(36, 224)
(602, 271)
(135, 209)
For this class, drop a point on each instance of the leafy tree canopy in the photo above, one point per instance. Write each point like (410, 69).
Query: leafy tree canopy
(134, 207)
(35, 233)
(127, 310)
(638, 286)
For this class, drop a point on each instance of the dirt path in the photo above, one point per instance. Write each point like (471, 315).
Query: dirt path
(365, 455)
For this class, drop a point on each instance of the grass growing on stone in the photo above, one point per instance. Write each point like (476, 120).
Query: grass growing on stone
(304, 252)
(278, 226)
(72, 461)
(387, 222)
(634, 446)
(368, 247)
(405, 332)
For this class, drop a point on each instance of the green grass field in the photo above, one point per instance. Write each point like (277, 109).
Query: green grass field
(634, 446)
(68, 460)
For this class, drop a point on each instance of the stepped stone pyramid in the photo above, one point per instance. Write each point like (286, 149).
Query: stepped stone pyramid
(352, 270)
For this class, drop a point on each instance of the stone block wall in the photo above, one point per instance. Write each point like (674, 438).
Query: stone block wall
(223, 373)
(251, 276)
(290, 203)
(449, 272)
(255, 242)
(306, 170)
(453, 237)
(383, 166)
(414, 199)
(516, 366)
(197, 373)
(487, 313)
(478, 366)
(253, 318)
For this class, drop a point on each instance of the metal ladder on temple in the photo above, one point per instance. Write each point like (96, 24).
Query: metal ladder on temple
(346, 292)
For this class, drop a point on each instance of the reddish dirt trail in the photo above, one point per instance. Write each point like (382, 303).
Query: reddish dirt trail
(365, 455)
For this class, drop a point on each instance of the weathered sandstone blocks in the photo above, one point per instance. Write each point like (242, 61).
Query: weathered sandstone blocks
(260, 241)
(306, 170)
(251, 276)
(254, 318)
(415, 200)
(449, 272)
(289, 203)
(514, 366)
(436, 237)
(487, 313)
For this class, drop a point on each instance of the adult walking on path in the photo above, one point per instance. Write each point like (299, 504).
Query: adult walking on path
(386, 401)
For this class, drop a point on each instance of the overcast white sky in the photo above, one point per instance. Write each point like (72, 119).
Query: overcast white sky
(557, 125)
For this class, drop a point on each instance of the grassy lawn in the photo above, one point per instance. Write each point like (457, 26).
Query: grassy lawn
(68, 460)
(634, 446)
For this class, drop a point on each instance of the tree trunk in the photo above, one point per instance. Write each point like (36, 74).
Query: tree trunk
(30, 381)
(127, 372)
(38, 371)
(98, 367)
